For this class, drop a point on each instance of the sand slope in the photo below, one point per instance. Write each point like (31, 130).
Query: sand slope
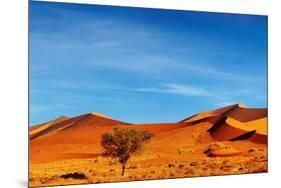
(34, 130)
(86, 121)
(63, 137)
(234, 122)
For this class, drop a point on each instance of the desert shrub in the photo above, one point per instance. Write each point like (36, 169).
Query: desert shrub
(74, 175)
(181, 166)
(132, 167)
(189, 172)
(124, 143)
(252, 150)
(213, 146)
(225, 162)
(263, 158)
(171, 165)
(193, 163)
(182, 150)
(226, 167)
(99, 159)
(216, 145)
(43, 181)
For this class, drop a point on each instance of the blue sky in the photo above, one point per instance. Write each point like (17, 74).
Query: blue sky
(143, 65)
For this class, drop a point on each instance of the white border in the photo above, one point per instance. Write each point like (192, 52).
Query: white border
(13, 95)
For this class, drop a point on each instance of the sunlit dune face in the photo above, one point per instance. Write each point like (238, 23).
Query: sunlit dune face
(100, 115)
(258, 125)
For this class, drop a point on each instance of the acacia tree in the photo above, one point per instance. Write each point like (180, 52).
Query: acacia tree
(123, 143)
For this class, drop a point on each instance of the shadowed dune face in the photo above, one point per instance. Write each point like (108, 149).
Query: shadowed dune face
(87, 121)
(226, 132)
(259, 138)
(34, 130)
(213, 113)
(247, 114)
(234, 121)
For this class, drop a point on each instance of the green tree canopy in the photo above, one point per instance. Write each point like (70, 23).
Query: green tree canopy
(123, 143)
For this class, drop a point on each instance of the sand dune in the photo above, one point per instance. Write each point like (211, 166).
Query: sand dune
(238, 112)
(223, 124)
(231, 131)
(234, 122)
(212, 113)
(34, 130)
(259, 138)
(86, 121)
(158, 127)
(51, 143)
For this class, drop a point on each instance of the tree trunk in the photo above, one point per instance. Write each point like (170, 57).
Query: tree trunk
(123, 169)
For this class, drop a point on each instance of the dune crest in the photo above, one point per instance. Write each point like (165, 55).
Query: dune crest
(242, 105)
(231, 123)
(100, 115)
(41, 127)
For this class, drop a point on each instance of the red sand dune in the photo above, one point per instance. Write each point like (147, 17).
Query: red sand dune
(213, 113)
(52, 140)
(247, 114)
(87, 121)
(234, 122)
(41, 127)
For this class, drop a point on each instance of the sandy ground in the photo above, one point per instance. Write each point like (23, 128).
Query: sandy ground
(155, 163)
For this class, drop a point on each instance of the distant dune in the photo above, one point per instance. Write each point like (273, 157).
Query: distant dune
(234, 122)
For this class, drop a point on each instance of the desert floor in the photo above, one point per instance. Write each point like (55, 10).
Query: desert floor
(154, 163)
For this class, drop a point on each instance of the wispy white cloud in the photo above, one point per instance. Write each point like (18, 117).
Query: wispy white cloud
(127, 50)
(180, 89)
(35, 109)
(216, 95)
(225, 103)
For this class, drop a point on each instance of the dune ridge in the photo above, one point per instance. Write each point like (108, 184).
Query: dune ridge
(231, 123)
(34, 130)
(85, 121)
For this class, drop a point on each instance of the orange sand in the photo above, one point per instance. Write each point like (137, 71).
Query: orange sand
(235, 135)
